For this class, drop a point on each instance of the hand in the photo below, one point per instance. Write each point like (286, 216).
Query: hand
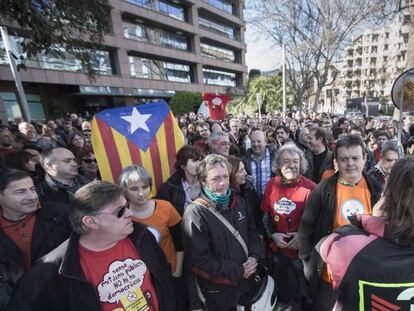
(294, 242)
(177, 274)
(250, 178)
(249, 267)
(279, 239)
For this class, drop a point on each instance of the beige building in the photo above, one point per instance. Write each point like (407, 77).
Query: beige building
(370, 65)
(154, 49)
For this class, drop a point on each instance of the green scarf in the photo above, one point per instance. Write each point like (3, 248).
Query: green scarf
(224, 199)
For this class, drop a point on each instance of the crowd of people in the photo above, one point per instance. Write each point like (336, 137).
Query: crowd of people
(319, 202)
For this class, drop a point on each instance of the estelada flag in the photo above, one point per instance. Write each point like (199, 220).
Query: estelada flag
(147, 135)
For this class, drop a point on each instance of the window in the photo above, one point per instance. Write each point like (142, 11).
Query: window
(221, 5)
(144, 33)
(143, 3)
(374, 49)
(217, 77)
(171, 9)
(101, 64)
(217, 52)
(11, 106)
(375, 37)
(387, 35)
(219, 28)
(385, 47)
(159, 70)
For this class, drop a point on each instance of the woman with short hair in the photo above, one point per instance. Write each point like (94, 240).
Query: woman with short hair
(161, 217)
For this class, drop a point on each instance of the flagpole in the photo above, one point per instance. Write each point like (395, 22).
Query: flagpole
(284, 77)
(19, 86)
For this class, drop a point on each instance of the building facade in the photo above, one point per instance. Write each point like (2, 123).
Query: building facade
(369, 66)
(154, 48)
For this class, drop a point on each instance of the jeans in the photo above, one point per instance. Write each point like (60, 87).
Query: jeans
(281, 264)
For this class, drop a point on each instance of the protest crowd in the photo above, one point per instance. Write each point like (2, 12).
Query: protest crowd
(323, 204)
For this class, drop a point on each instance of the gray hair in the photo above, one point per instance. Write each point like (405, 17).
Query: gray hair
(390, 145)
(292, 149)
(48, 155)
(215, 136)
(90, 200)
(208, 163)
(134, 173)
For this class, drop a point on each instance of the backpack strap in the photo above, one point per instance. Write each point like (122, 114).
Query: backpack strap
(226, 223)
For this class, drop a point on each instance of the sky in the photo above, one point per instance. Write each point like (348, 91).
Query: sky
(260, 53)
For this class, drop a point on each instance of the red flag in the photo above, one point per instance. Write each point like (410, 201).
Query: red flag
(216, 105)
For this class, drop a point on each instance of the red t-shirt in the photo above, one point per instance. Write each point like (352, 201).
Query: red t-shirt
(216, 105)
(285, 204)
(122, 280)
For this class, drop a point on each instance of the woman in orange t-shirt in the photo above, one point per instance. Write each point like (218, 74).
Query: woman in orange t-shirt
(160, 216)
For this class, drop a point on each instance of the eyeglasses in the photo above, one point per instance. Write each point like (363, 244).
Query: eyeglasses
(119, 212)
(89, 161)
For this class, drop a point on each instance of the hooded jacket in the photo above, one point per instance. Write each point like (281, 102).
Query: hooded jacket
(368, 268)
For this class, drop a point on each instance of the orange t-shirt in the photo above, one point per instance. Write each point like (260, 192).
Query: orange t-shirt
(121, 279)
(20, 232)
(350, 200)
(164, 217)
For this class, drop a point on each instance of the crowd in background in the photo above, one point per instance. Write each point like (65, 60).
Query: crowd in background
(275, 151)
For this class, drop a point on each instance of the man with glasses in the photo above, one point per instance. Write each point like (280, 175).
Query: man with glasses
(61, 179)
(109, 262)
(219, 143)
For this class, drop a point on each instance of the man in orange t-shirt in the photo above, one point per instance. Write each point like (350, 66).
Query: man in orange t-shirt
(348, 192)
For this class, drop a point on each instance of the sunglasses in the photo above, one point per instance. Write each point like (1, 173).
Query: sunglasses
(89, 161)
(119, 212)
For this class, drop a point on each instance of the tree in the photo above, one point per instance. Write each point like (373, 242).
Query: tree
(185, 102)
(270, 89)
(55, 26)
(313, 32)
(254, 73)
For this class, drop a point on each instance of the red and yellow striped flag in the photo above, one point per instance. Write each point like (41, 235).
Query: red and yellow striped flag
(144, 134)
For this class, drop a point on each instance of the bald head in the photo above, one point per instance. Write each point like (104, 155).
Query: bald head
(258, 141)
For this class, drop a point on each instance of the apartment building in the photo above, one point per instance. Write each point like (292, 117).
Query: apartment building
(369, 66)
(154, 48)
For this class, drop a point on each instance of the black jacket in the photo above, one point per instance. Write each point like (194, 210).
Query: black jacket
(327, 164)
(249, 194)
(370, 269)
(317, 222)
(214, 253)
(58, 283)
(172, 191)
(51, 228)
(49, 192)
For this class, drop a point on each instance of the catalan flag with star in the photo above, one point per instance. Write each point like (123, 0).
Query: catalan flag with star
(147, 135)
